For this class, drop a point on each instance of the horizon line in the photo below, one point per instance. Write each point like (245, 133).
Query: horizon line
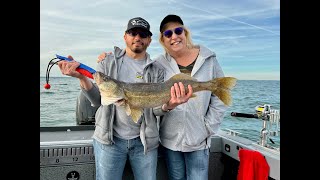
(238, 79)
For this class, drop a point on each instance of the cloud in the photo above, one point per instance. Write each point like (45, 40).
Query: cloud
(247, 31)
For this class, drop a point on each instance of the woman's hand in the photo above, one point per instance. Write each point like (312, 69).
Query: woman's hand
(178, 96)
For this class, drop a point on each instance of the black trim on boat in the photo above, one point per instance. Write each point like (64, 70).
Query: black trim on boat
(67, 128)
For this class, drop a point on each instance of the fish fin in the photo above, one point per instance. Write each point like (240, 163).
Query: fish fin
(136, 114)
(221, 88)
(225, 82)
(182, 76)
(224, 95)
(128, 110)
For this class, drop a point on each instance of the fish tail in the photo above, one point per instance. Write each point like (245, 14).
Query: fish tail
(221, 88)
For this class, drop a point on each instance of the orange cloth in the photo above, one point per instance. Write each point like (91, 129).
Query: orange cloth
(253, 166)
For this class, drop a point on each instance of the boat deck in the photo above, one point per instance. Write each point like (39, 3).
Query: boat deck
(67, 152)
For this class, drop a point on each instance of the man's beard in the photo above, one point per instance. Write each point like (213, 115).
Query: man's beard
(140, 49)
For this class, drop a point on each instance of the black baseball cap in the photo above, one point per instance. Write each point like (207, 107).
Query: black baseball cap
(170, 18)
(139, 22)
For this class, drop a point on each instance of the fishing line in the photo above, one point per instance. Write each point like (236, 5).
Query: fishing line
(50, 64)
(82, 69)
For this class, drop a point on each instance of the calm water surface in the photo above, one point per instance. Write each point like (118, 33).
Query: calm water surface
(58, 104)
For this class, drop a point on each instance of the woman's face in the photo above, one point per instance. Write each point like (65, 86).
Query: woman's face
(174, 37)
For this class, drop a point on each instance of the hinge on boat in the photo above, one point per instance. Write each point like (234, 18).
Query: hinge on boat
(232, 132)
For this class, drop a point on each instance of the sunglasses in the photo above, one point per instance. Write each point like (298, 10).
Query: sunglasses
(141, 34)
(177, 31)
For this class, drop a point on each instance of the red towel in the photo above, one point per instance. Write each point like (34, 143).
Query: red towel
(253, 166)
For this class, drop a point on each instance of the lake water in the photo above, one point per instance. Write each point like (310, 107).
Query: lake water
(58, 104)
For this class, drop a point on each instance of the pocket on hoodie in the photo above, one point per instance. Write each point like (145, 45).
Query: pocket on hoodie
(101, 118)
(98, 116)
(208, 127)
(196, 135)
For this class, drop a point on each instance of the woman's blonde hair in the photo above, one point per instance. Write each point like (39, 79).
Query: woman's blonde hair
(190, 45)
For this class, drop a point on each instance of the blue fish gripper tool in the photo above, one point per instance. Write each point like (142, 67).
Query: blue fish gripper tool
(83, 69)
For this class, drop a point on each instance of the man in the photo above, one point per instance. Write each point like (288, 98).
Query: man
(116, 137)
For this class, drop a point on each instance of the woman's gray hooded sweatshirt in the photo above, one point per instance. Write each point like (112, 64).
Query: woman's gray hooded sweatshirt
(189, 126)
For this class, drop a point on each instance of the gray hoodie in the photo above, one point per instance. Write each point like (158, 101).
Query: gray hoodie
(189, 126)
(149, 134)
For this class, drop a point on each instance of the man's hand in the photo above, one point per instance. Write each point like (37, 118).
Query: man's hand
(69, 68)
(103, 56)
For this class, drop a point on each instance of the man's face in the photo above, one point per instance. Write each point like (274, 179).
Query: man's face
(137, 40)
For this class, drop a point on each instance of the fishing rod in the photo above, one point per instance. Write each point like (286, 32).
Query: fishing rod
(82, 69)
(245, 115)
(267, 114)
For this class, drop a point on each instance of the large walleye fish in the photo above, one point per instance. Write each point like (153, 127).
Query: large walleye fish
(136, 96)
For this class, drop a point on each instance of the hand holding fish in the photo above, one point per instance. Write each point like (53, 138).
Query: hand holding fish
(178, 96)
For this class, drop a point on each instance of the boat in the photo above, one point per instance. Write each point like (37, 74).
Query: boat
(67, 153)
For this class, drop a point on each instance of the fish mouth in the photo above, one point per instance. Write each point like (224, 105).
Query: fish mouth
(107, 100)
(120, 102)
(97, 78)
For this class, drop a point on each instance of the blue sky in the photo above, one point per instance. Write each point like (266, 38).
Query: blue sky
(244, 34)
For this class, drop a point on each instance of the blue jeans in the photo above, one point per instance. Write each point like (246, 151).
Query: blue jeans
(187, 165)
(111, 159)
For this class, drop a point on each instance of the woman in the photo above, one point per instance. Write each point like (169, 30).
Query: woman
(185, 131)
